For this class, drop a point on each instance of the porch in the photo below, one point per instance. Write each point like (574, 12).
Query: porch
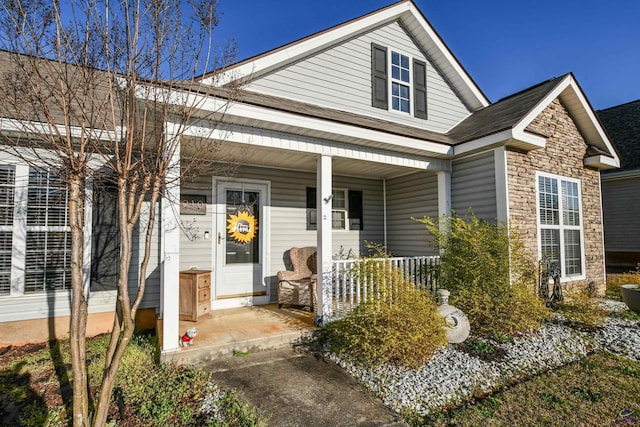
(241, 226)
(261, 327)
(243, 330)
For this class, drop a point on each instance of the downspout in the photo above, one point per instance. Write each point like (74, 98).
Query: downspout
(384, 211)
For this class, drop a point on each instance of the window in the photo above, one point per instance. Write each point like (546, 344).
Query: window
(560, 224)
(7, 197)
(48, 248)
(35, 238)
(400, 82)
(346, 212)
(400, 78)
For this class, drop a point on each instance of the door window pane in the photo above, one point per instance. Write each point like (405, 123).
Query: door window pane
(242, 244)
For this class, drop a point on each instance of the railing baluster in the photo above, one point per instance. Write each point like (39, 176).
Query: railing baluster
(352, 280)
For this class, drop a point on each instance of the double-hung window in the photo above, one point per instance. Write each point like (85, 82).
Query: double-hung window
(399, 78)
(48, 246)
(35, 238)
(560, 224)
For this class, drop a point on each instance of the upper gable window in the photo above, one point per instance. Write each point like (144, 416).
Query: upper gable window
(401, 78)
(400, 82)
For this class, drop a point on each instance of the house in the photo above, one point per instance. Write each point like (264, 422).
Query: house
(340, 138)
(621, 188)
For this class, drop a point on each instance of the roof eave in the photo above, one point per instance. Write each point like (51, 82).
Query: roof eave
(512, 138)
(568, 90)
(601, 162)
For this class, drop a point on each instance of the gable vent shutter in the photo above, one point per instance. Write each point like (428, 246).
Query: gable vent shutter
(420, 89)
(379, 76)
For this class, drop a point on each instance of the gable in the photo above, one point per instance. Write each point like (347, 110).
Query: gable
(340, 78)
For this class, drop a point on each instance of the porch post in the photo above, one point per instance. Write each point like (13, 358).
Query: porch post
(324, 203)
(502, 188)
(170, 251)
(444, 193)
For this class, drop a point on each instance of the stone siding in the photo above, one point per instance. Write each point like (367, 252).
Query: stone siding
(563, 155)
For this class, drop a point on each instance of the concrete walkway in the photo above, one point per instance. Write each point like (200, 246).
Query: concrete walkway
(298, 387)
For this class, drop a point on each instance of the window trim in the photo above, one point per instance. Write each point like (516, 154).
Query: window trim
(400, 82)
(561, 226)
(382, 81)
(311, 209)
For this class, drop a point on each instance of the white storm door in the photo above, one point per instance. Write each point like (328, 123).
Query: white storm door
(240, 244)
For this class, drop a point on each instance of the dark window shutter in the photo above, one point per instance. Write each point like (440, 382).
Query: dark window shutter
(312, 221)
(355, 210)
(420, 89)
(311, 198)
(379, 88)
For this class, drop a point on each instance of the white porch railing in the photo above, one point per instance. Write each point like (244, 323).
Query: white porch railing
(349, 288)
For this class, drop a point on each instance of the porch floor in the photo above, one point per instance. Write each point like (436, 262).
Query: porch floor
(243, 329)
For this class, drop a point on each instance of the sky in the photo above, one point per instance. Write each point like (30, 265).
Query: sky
(506, 46)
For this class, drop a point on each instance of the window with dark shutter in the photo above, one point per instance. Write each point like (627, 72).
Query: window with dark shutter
(355, 210)
(346, 212)
(312, 219)
(420, 89)
(379, 88)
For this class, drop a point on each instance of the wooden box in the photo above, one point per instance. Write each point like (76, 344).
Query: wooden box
(195, 294)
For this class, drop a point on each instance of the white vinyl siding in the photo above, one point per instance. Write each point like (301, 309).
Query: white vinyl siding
(473, 186)
(414, 195)
(340, 78)
(559, 221)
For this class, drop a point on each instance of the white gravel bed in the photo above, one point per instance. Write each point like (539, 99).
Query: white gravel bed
(453, 375)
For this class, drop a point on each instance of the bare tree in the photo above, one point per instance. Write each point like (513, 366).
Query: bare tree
(90, 86)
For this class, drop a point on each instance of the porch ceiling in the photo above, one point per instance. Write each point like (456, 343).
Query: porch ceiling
(229, 152)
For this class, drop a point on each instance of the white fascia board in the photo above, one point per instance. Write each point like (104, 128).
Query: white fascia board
(29, 127)
(254, 112)
(253, 136)
(483, 143)
(528, 140)
(509, 137)
(539, 108)
(305, 47)
(602, 162)
(569, 83)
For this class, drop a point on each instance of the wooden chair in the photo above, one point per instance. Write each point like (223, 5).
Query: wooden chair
(298, 287)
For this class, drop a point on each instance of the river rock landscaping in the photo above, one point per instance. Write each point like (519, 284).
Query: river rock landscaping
(461, 372)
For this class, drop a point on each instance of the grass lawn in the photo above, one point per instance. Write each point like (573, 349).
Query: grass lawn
(600, 390)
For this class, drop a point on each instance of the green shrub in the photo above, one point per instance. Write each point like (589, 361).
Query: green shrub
(490, 276)
(398, 323)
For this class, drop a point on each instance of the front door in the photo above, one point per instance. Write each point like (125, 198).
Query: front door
(240, 244)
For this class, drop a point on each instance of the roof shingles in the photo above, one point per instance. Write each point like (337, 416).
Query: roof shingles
(622, 123)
